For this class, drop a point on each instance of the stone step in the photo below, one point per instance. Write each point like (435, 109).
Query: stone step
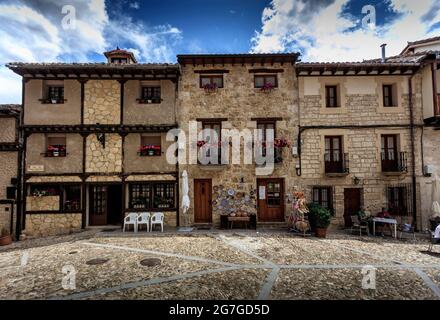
(203, 226)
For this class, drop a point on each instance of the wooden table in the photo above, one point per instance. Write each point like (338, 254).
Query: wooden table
(227, 222)
(386, 221)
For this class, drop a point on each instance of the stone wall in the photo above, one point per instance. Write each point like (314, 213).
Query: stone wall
(8, 170)
(102, 102)
(100, 160)
(43, 225)
(8, 132)
(5, 217)
(49, 203)
(239, 102)
(362, 106)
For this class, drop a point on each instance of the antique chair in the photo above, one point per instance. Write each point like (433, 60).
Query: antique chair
(157, 219)
(131, 219)
(144, 219)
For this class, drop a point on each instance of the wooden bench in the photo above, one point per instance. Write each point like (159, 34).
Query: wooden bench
(227, 222)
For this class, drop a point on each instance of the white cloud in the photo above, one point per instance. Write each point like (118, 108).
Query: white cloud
(32, 31)
(135, 5)
(320, 32)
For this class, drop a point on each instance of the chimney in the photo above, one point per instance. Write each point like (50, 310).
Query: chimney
(384, 52)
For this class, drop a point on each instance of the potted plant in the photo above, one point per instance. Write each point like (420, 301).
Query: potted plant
(320, 219)
(267, 88)
(54, 101)
(6, 238)
(210, 88)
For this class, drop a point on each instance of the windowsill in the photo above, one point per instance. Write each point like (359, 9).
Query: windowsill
(395, 109)
(148, 101)
(53, 156)
(393, 173)
(337, 175)
(47, 101)
(337, 110)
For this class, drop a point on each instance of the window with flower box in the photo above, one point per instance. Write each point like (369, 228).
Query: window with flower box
(56, 147)
(211, 82)
(53, 92)
(154, 196)
(69, 195)
(151, 146)
(150, 95)
(266, 82)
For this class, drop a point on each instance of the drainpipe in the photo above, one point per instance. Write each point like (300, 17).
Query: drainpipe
(20, 171)
(434, 89)
(413, 152)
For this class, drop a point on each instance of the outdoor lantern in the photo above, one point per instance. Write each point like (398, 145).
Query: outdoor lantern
(356, 180)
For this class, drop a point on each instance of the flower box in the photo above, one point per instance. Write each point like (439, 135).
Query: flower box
(210, 88)
(267, 88)
(56, 151)
(150, 151)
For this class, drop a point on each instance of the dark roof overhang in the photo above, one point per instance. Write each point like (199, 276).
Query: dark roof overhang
(96, 71)
(91, 129)
(355, 68)
(233, 59)
(10, 110)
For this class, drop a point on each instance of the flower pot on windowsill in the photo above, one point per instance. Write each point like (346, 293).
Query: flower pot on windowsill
(53, 101)
(56, 154)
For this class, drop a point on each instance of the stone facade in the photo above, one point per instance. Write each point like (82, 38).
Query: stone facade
(362, 107)
(8, 132)
(49, 203)
(102, 102)
(43, 225)
(239, 102)
(104, 160)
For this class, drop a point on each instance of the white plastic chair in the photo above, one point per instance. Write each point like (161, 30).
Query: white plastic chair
(156, 219)
(131, 219)
(144, 219)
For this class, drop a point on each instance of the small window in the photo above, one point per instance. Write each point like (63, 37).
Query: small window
(119, 60)
(151, 146)
(151, 94)
(213, 82)
(388, 96)
(56, 147)
(262, 81)
(331, 96)
(55, 94)
(324, 197)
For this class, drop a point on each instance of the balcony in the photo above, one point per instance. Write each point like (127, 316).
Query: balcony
(339, 168)
(278, 155)
(215, 163)
(392, 165)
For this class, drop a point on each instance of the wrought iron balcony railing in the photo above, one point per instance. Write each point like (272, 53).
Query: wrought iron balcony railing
(394, 163)
(341, 166)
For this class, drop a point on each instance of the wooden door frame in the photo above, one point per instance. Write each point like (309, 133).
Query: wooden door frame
(89, 189)
(209, 203)
(283, 206)
(361, 201)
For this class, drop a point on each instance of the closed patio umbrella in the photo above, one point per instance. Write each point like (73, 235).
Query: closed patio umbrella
(185, 201)
(436, 198)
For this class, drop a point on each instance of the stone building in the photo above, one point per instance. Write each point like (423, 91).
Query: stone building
(241, 92)
(430, 140)
(94, 143)
(9, 153)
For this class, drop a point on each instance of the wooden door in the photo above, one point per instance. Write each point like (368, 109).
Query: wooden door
(352, 204)
(98, 208)
(389, 153)
(203, 201)
(270, 200)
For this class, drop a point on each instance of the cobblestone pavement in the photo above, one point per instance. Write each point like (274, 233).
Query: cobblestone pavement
(217, 265)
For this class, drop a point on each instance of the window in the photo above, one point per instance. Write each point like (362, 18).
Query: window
(119, 60)
(56, 147)
(324, 197)
(388, 98)
(69, 195)
(398, 200)
(212, 139)
(333, 155)
(151, 94)
(211, 82)
(389, 153)
(264, 128)
(55, 94)
(274, 194)
(151, 146)
(331, 96)
(262, 81)
(150, 196)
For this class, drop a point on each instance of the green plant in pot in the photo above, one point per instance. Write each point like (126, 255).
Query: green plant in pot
(5, 238)
(320, 219)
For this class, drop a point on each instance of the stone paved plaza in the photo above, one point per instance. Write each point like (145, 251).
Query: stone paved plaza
(217, 265)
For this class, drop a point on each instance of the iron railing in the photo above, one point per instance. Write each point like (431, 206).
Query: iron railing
(337, 167)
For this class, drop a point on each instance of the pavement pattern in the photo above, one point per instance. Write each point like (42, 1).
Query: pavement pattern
(220, 265)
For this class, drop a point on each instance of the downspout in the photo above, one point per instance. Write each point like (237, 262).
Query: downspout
(413, 152)
(434, 89)
(20, 174)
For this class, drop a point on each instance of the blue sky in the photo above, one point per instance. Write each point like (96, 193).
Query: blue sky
(157, 30)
